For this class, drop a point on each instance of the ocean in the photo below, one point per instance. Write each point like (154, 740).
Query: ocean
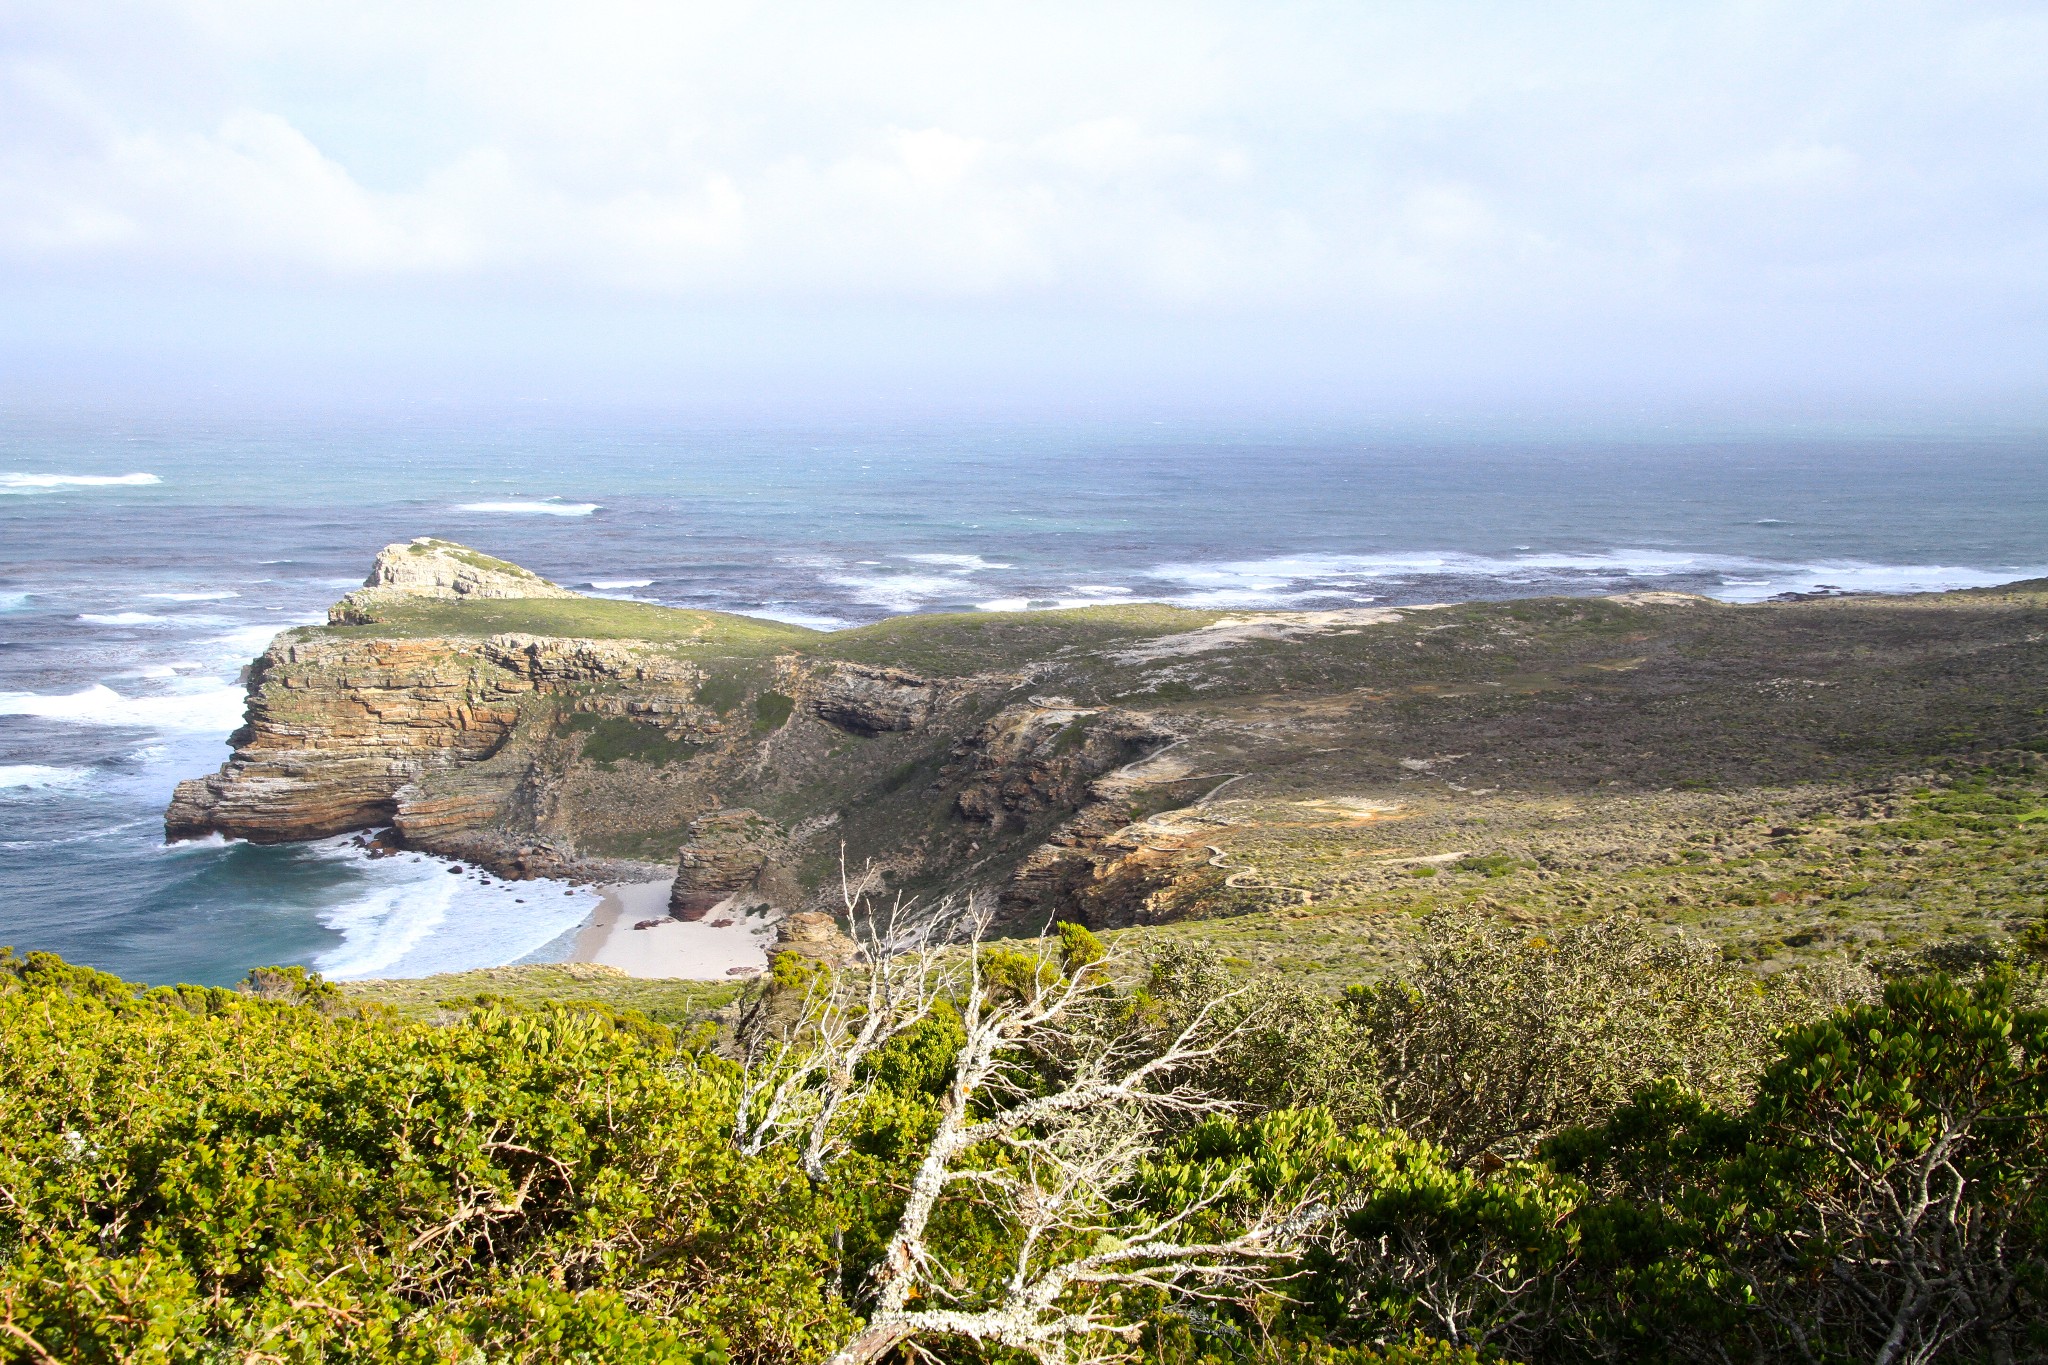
(143, 563)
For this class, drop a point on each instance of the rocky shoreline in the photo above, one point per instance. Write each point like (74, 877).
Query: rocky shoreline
(505, 751)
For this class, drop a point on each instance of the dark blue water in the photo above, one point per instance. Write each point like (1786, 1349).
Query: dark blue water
(126, 608)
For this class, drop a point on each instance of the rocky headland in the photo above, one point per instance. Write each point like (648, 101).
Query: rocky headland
(1148, 765)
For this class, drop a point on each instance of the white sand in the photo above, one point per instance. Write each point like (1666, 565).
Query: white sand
(696, 951)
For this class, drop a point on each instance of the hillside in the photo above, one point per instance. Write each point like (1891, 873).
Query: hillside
(1791, 778)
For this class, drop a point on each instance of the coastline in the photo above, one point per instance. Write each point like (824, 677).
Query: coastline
(727, 943)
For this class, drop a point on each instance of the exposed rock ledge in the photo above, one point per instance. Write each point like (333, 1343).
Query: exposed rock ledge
(874, 701)
(728, 851)
(437, 569)
(347, 735)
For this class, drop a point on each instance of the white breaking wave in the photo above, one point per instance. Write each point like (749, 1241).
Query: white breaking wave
(416, 919)
(606, 584)
(239, 646)
(898, 592)
(14, 775)
(549, 508)
(958, 563)
(1046, 603)
(797, 616)
(13, 601)
(160, 672)
(125, 618)
(1290, 580)
(44, 483)
(215, 707)
(221, 595)
(1878, 578)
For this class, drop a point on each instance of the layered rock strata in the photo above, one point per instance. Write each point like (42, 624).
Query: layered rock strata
(753, 756)
(814, 935)
(347, 734)
(519, 752)
(1042, 755)
(874, 701)
(336, 728)
(727, 852)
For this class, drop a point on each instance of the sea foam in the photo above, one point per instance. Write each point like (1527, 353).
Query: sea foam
(797, 616)
(215, 708)
(37, 775)
(549, 508)
(1044, 603)
(125, 618)
(414, 918)
(1293, 580)
(45, 483)
(244, 643)
(958, 563)
(901, 592)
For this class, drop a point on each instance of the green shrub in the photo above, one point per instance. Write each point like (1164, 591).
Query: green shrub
(199, 1176)
(610, 740)
(722, 691)
(1497, 1038)
(772, 711)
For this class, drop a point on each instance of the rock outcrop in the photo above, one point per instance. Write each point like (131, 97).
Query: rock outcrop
(441, 569)
(727, 852)
(336, 728)
(1105, 871)
(346, 734)
(1216, 765)
(538, 755)
(815, 935)
(1042, 755)
(874, 701)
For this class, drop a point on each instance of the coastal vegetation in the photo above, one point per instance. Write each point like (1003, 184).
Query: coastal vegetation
(1562, 980)
(1605, 1145)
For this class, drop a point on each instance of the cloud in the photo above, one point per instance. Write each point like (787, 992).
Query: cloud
(1498, 168)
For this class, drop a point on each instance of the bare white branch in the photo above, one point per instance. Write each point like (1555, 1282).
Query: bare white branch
(808, 1079)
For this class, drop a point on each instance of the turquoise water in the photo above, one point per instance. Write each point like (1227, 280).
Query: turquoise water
(127, 607)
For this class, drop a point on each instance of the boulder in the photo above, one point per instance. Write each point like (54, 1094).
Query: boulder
(815, 935)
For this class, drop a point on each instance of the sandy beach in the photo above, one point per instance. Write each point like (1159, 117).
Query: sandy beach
(726, 943)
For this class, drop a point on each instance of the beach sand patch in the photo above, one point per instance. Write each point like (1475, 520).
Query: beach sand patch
(716, 948)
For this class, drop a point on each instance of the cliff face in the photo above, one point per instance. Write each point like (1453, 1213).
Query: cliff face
(346, 734)
(727, 853)
(873, 701)
(743, 766)
(336, 728)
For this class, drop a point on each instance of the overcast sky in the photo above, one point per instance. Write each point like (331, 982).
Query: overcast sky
(1331, 207)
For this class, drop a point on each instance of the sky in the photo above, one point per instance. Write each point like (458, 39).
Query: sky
(1436, 207)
